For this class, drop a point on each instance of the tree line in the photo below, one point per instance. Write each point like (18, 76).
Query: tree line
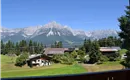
(110, 41)
(89, 47)
(92, 49)
(22, 46)
(57, 44)
(89, 52)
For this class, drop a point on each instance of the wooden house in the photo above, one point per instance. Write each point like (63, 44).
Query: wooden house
(52, 51)
(38, 60)
(109, 50)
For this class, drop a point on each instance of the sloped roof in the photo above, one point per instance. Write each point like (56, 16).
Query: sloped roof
(34, 55)
(54, 50)
(109, 49)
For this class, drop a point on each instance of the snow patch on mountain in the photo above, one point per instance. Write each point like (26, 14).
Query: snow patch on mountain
(88, 34)
(70, 29)
(4, 29)
(31, 30)
(24, 35)
(11, 34)
(59, 33)
(55, 29)
(53, 24)
(50, 33)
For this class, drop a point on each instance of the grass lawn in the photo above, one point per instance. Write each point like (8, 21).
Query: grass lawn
(106, 66)
(122, 51)
(9, 70)
(73, 69)
(7, 60)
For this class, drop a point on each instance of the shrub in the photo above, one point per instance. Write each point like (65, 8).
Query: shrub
(64, 59)
(21, 60)
(104, 58)
(57, 58)
(114, 57)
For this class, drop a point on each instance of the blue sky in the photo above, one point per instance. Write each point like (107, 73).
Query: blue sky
(78, 14)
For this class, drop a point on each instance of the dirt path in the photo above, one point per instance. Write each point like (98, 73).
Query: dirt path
(88, 67)
(95, 68)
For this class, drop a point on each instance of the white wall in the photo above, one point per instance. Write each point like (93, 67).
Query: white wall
(42, 62)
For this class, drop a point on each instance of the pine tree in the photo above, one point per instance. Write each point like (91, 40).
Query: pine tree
(87, 45)
(31, 47)
(8, 47)
(41, 48)
(94, 54)
(2, 47)
(74, 54)
(55, 44)
(125, 34)
(110, 41)
(60, 44)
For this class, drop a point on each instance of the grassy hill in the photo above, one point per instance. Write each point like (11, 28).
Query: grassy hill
(9, 70)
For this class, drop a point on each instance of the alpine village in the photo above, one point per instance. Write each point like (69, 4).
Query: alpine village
(36, 58)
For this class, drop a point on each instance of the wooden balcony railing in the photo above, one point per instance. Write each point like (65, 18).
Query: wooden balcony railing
(106, 75)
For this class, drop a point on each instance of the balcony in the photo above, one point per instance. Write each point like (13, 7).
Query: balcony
(106, 75)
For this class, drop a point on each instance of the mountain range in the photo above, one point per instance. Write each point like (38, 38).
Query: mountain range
(51, 32)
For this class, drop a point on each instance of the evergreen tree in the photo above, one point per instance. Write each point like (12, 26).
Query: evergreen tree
(35, 47)
(60, 44)
(94, 54)
(23, 45)
(110, 41)
(81, 55)
(74, 54)
(125, 34)
(31, 50)
(87, 45)
(2, 47)
(41, 48)
(55, 44)
(30, 43)
(8, 47)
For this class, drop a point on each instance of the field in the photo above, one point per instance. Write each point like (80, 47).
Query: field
(9, 70)
(106, 66)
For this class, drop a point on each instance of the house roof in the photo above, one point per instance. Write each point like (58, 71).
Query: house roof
(54, 50)
(58, 50)
(34, 55)
(103, 49)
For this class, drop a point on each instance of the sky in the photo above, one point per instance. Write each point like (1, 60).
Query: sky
(78, 14)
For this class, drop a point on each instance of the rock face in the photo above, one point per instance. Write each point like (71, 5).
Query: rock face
(51, 32)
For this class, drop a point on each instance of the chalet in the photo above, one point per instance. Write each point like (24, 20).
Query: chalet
(123, 56)
(109, 50)
(52, 51)
(44, 59)
(71, 49)
(38, 60)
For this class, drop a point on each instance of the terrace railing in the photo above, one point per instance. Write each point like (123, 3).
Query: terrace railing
(105, 75)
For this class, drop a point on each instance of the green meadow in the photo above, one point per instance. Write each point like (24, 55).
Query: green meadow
(9, 70)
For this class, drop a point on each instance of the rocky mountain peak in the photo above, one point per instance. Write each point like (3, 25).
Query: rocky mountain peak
(53, 30)
(53, 24)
